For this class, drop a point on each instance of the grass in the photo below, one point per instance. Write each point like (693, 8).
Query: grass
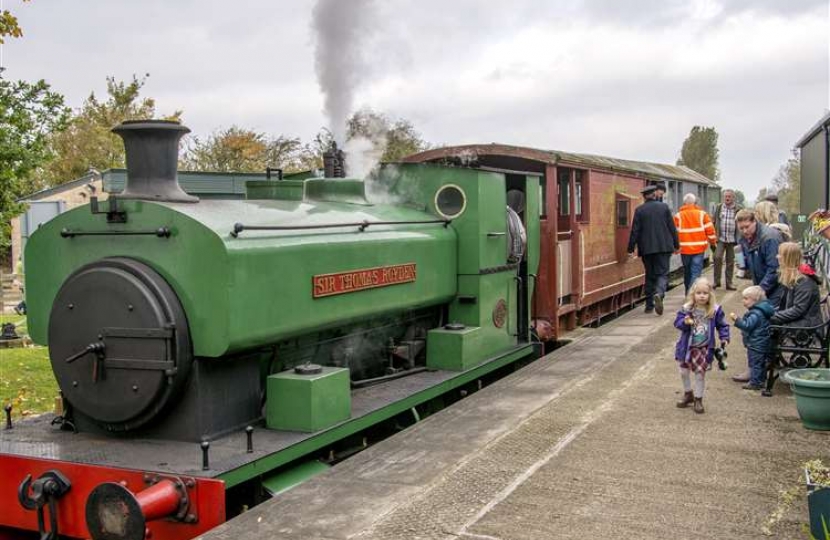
(26, 379)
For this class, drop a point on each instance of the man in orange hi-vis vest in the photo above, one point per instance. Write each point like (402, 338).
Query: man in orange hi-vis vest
(695, 232)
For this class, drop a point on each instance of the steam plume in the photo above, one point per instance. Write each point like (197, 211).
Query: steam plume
(339, 27)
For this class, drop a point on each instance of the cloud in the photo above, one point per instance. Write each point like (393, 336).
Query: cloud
(758, 76)
(622, 79)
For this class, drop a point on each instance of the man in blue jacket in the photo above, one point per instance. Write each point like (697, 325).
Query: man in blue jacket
(759, 244)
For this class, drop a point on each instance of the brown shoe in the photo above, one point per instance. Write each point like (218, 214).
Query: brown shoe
(731, 288)
(699, 405)
(688, 399)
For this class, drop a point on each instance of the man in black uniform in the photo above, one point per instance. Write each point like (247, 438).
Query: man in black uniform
(654, 235)
(660, 193)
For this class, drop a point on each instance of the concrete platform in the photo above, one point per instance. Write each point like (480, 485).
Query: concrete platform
(585, 443)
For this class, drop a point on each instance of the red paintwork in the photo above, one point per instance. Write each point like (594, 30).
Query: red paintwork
(158, 501)
(207, 498)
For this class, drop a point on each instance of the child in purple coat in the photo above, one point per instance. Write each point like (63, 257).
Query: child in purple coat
(698, 321)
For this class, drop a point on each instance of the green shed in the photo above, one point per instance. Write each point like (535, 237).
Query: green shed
(814, 147)
(205, 185)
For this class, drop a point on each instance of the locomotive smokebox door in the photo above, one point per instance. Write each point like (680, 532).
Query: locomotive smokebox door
(119, 343)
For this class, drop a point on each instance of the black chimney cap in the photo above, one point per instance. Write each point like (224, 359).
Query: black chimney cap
(152, 151)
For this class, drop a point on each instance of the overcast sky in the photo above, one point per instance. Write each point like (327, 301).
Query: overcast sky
(619, 78)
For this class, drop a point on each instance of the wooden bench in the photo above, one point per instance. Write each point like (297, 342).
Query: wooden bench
(797, 348)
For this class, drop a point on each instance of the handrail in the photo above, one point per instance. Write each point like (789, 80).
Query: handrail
(161, 232)
(361, 225)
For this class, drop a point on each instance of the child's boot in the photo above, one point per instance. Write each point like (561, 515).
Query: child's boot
(699, 405)
(688, 399)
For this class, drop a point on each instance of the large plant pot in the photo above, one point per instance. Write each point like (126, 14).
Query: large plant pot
(818, 504)
(812, 396)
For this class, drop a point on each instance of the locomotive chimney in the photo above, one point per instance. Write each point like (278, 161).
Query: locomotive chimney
(152, 148)
(334, 162)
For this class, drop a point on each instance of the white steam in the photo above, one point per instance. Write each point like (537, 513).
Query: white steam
(340, 28)
(363, 155)
(363, 151)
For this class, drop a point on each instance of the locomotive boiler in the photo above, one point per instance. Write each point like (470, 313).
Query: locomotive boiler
(209, 350)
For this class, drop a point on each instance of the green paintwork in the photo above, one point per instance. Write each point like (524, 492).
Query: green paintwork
(482, 247)
(253, 290)
(284, 480)
(287, 190)
(355, 425)
(454, 350)
(256, 290)
(308, 402)
(346, 190)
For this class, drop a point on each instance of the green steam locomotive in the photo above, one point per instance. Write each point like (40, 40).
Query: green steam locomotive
(210, 353)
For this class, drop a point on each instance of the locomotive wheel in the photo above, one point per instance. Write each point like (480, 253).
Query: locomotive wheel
(119, 343)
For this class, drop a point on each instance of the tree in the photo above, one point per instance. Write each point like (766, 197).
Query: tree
(700, 152)
(231, 150)
(88, 141)
(787, 184)
(29, 115)
(740, 198)
(238, 149)
(243, 150)
(392, 139)
(9, 25)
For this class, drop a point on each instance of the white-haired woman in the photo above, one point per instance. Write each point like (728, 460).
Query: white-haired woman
(767, 213)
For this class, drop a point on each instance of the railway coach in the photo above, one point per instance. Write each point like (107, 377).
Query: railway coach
(587, 207)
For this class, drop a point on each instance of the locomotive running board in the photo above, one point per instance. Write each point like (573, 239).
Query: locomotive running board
(371, 406)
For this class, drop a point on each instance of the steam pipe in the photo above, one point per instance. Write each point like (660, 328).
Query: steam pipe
(334, 162)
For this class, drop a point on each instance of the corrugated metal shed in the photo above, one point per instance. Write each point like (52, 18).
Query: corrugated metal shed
(43, 193)
(203, 184)
(819, 126)
(209, 184)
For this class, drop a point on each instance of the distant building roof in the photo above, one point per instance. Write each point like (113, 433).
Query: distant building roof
(215, 184)
(645, 169)
(813, 131)
(43, 193)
